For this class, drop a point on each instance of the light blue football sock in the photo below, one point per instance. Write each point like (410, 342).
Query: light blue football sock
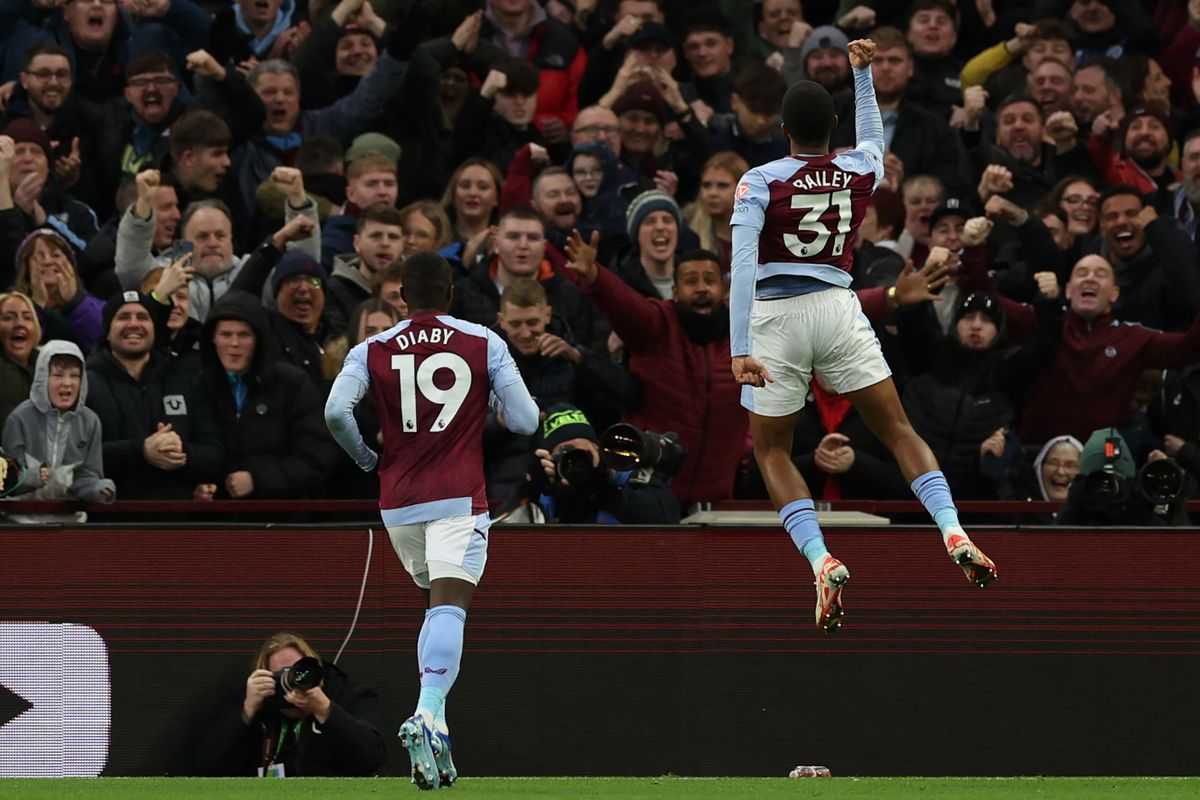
(934, 493)
(421, 639)
(799, 519)
(440, 720)
(440, 657)
(429, 704)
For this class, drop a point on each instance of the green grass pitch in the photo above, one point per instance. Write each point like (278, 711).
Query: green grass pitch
(603, 788)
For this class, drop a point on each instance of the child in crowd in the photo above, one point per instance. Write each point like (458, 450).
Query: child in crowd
(57, 438)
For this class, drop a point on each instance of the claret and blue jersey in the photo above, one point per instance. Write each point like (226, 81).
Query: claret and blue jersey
(431, 377)
(795, 219)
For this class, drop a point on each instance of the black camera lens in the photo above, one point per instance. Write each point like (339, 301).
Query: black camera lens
(574, 465)
(304, 674)
(1162, 481)
(624, 447)
(1102, 487)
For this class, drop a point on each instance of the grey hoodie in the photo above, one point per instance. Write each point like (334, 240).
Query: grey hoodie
(68, 443)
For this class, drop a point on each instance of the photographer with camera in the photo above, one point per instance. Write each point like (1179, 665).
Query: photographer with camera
(300, 717)
(1110, 491)
(676, 350)
(574, 481)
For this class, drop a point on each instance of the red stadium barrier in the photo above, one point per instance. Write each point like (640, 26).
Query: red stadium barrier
(1088, 640)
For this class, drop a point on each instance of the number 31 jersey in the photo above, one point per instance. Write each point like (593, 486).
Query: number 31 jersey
(431, 377)
(808, 210)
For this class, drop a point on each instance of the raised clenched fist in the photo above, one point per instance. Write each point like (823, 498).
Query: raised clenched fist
(976, 230)
(290, 182)
(861, 52)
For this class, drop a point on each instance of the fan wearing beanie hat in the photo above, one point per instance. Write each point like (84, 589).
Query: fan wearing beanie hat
(563, 423)
(653, 223)
(25, 131)
(39, 199)
(826, 59)
(1140, 155)
(978, 320)
(299, 288)
(28, 165)
(119, 301)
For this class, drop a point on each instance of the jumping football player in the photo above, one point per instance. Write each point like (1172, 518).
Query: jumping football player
(431, 377)
(792, 313)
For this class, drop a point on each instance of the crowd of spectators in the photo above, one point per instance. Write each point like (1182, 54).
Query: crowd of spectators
(206, 203)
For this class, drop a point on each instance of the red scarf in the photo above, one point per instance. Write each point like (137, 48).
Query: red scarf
(832, 409)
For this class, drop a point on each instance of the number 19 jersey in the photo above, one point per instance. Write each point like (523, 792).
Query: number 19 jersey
(431, 377)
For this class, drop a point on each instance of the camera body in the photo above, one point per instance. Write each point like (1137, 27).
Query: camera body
(307, 673)
(1108, 497)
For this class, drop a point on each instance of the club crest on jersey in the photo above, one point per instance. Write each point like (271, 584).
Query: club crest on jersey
(742, 189)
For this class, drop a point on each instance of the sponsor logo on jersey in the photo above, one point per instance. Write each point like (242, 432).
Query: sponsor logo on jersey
(742, 189)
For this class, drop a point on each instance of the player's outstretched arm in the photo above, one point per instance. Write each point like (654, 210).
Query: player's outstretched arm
(513, 403)
(867, 121)
(347, 390)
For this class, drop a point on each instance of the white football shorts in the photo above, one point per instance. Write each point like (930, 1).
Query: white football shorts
(452, 547)
(824, 332)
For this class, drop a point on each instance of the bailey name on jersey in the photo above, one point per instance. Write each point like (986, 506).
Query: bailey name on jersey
(825, 179)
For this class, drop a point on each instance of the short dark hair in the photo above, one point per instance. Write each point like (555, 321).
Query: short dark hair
(808, 115)
(148, 61)
(64, 360)
(696, 254)
(918, 6)
(760, 88)
(1116, 191)
(707, 20)
(382, 213)
(196, 129)
(43, 49)
(521, 76)
(1051, 28)
(1116, 76)
(318, 154)
(1019, 97)
(699, 254)
(425, 279)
